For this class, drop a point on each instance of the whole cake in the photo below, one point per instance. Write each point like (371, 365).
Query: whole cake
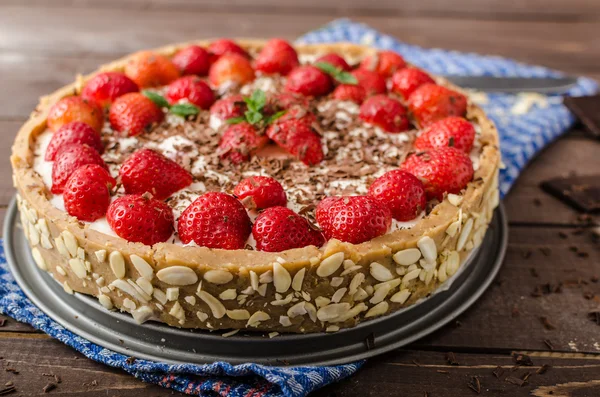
(256, 185)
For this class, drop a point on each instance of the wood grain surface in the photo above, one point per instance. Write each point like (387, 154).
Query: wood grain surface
(549, 281)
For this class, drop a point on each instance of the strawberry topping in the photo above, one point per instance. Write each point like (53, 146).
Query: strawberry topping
(372, 82)
(260, 192)
(149, 69)
(73, 132)
(192, 90)
(451, 131)
(240, 141)
(229, 107)
(75, 108)
(87, 192)
(384, 112)
(407, 80)
(231, 69)
(192, 60)
(349, 92)
(277, 56)
(298, 138)
(336, 60)
(385, 63)
(430, 103)
(134, 114)
(68, 159)
(402, 192)
(105, 87)
(309, 81)
(224, 46)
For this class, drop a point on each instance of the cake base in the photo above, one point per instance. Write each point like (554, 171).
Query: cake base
(84, 316)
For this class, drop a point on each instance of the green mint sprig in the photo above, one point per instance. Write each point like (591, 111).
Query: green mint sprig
(337, 73)
(180, 109)
(255, 114)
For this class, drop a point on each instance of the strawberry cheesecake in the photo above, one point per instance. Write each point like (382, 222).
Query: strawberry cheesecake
(256, 185)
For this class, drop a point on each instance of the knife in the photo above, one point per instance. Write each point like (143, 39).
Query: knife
(541, 85)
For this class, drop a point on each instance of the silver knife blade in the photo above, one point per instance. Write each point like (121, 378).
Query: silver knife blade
(515, 85)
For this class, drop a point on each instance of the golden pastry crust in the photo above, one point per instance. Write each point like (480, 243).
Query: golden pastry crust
(299, 290)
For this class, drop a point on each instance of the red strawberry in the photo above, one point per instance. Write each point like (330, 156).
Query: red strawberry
(279, 228)
(372, 82)
(277, 56)
(335, 60)
(430, 103)
(192, 89)
(451, 131)
(385, 63)
(149, 69)
(402, 192)
(215, 220)
(298, 112)
(140, 219)
(348, 92)
(353, 219)
(68, 159)
(442, 170)
(261, 192)
(87, 192)
(231, 68)
(407, 80)
(286, 100)
(192, 60)
(105, 87)
(224, 46)
(229, 107)
(298, 138)
(384, 112)
(73, 132)
(134, 114)
(148, 171)
(308, 81)
(240, 141)
(75, 108)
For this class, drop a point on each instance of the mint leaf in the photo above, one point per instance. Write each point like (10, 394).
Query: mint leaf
(253, 117)
(338, 74)
(346, 78)
(274, 117)
(257, 101)
(158, 99)
(327, 67)
(236, 120)
(184, 109)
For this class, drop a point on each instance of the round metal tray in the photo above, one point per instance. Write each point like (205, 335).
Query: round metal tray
(117, 331)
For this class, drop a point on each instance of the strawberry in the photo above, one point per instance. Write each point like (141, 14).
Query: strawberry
(308, 81)
(284, 101)
(407, 80)
(231, 69)
(297, 137)
(75, 108)
(277, 56)
(384, 112)
(224, 46)
(349, 92)
(73, 132)
(192, 89)
(87, 192)
(134, 114)
(451, 131)
(149, 69)
(240, 141)
(215, 220)
(68, 159)
(140, 219)
(353, 219)
(298, 112)
(335, 60)
(229, 107)
(260, 192)
(430, 103)
(105, 87)
(442, 170)
(372, 82)
(149, 171)
(402, 192)
(279, 228)
(385, 63)
(192, 60)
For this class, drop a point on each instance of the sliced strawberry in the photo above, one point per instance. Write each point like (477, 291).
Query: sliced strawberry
(75, 108)
(240, 141)
(149, 69)
(308, 81)
(384, 112)
(192, 89)
(87, 192)
(277, 56)
(298, 112)
(402, 192)
(353, 219)
(140, 219)
(451, 131)
(407, 80)
(348, 92)
(224, 46)
(134, 114)
(192, 60)
(336, 60)
(442, 170)
(231, 69)
(385, 63)
(278, 229)
(105, 87)
(430, 103)
(68, 159)
(229, 107)
(215, 220)
(73, 132)
(260, 192)
(297, 137)
(149, 171)
(286, 100)
(372, 82)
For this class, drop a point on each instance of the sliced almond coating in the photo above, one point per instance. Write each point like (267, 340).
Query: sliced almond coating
(299, 309)
(67, 288)
(350, 270)
(336, 281)
(177, 275)
(202, 316)
(128, 289)
(332, 328)
(238, 314)
(298, 279)
(190, 299)
(285, 321)
(453, 228)
(117, 264)
(177, 312)
(410, 276)
(61, 247)
(441, 274)
(281, 278)
(464, 234)
(266, 277)
(39, 259)
(172, 293)
(311, 310)
(455, 199)
(100, 255)
(356, 281)
(392, 284)
(254, 280)
(81, 253)
(348, 263)
(105, 301)
(70, 242)
(145, 285)
(142, 314)
(338, 295)
(218, 276)
(355, 311)
(129, 304)
(143, 267)
(378, 310)
(78, 267)
(228, 294)
(216, 307)
(401, 296)
(380, 294)
(332, 311)
(262, 290)
(407, 257)
(321, 301)
(330, 265)
(160, 296)
(34, 234)
(380, 272)
(452, 263)
(45, 241)
(428, 249)
(256, 318)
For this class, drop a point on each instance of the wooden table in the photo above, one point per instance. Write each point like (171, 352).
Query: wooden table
(43, 46)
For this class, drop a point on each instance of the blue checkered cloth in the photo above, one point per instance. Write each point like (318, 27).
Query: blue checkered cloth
(521, 138)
